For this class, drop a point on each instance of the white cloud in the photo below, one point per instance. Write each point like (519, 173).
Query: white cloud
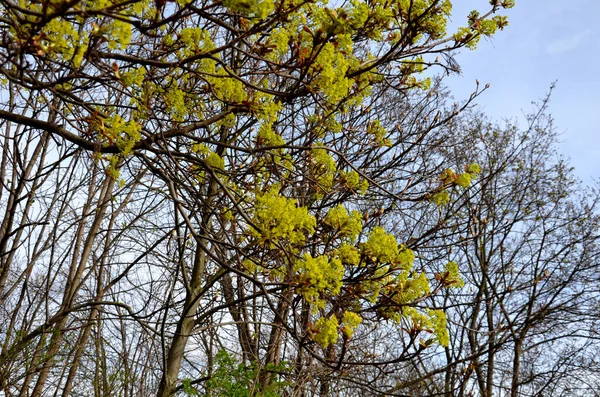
(568, 43)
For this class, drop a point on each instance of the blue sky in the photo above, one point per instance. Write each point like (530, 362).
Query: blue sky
(546, 41)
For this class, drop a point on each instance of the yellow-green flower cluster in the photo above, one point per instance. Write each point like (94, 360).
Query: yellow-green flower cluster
(319, 276)
(326, 331)
(448, 179)
(330, 70)
(279, 218)
(410, 289)
(323, 171)
(267, 112)
(250, 8)
(354, 182)
(124, 133)
(378, 132)
(441, 198)
(348, 254)
(439, 325)
(452, 277)
(433, 321)
(350, 322)
(347, 225)
(481, 27)
(383, 247)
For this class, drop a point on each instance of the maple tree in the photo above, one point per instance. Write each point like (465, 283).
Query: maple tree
(238, 156)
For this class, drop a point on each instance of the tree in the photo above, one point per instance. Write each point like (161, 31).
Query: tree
(525, 322)
(188, 178)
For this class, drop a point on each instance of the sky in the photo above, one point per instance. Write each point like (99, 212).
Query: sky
(547, 41)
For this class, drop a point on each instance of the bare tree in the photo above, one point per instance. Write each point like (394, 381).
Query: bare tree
(525, 322)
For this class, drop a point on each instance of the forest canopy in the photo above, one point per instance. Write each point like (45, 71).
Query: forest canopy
(278, 198)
